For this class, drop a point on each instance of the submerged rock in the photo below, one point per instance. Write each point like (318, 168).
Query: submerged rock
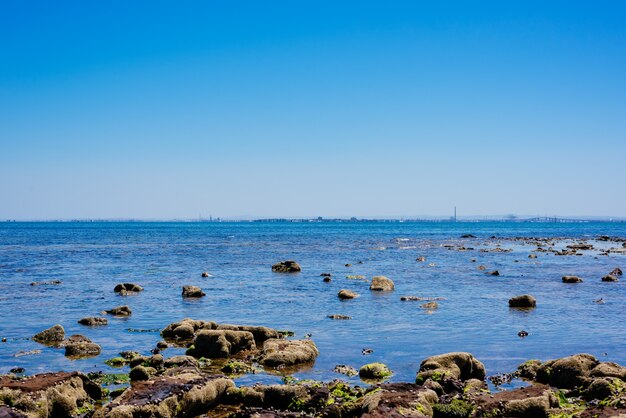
(572, 279)
(338, 316)
(523, 301)
(192, 292)
(52, 335)
(431, 306)
(458, 365)
(288, 352)
(381, 283)
(287, 266)
(347, 294)
(610, 278)
(93, 321)
(120, 311)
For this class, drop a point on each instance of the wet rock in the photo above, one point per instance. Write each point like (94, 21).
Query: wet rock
(51, 283)
(381, 283)
(192, 292)
(52, 335)
(325, 275)
(206, 274)
(339, 317)
(610, 278)
(184, 395)
(529, 402)
(277, 352)
(120, 311)
(616, 271)
(180, 361)
(17, 370)
(603, 388)
(457, 365)
(523, 301)
(278, 397)
(567, 372)
(287, 266)
(398, 400)
(127, 288)
(347, 370)
(494, 273)
(93, 321)
(162, 345)
(221, 343)
(185, 329)
(141, 373)
(572, 279)
(44, 395)
(374, 371)
(532, 255)
(81, 346)
(347, 294)
(468, 236)
(481, 268)
(420, 259)
(327, 279)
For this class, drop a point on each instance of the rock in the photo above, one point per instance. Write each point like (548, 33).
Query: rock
(206, 274)
(482, 268)
(398, 400)
(120, 311)
(260, 334)
(81, 346)
(93, 321)
(221, 343)
(468, 236)
(420, 259)
(326, 279)
(185, 395)
(431, 306)
(610, 278)
(374, 371)
(125, 288)
(52, 283)
(340, 317)
(287, 266)
(602, 388)
(185, 329)
(141, 373)
(616, 271)
(572, 279)
(381, 283)
(568, 372)
(192, 292)
(162, 345)
(44, 395)
(52, 335)
(347, 370)
(494, 273)
(532, 255)
(609, 369)
(528, 402)
(180, 361)
(325, 275)
(277, 397)
(347, 294)
(458, 365)
(523, 301)
(288, 352)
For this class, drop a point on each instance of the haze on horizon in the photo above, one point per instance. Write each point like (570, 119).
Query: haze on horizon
(304, 109)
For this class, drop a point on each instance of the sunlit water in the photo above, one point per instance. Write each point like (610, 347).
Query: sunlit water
(91, 258)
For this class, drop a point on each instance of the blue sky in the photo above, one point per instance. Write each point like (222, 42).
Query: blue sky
(265, 109)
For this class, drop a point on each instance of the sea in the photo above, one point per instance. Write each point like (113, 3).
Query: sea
(90, 258)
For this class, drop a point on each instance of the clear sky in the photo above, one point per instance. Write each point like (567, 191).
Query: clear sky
(311, 108)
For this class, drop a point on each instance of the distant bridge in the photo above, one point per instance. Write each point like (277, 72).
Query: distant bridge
(553, 219)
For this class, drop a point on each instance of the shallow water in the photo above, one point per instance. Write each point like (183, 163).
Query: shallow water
(91, 258)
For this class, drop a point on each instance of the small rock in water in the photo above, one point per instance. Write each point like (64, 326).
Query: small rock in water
(206, 274)
(482, 268)
(616, 271)
(120, 311)
(326, 279)
(381, 283)
(125, 288)
(367, 351)
(572, 279)
(192, 292)
(17, 370)
(468, 236)
(599, 301)
(421, 259)
(344, 369)
(338, 316)
(93, 321)
(287, 266)
(348, 265)
(325, 275)
(523, 301)
(53, 282)
(347, 294)
(522, 334)
(610, 278)
(494, 273)
(532, 255)
(52, 335)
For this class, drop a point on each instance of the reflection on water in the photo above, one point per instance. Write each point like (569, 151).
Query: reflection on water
(472, 314)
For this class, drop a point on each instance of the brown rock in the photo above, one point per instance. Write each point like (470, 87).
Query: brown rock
(52, 335)
(192, 292)
(381, 283)
(287, 266)
(347, 294)
(523, 301)
(288, 352)
(572, 279)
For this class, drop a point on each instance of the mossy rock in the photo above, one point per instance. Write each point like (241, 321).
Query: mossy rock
(456, 409)
(116, 362)
(374, 371)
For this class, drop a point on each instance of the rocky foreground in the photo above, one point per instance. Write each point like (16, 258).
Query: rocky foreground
(200, 384)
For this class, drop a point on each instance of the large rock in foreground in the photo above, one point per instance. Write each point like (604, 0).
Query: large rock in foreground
(45, 395)
(184, 395)
(52, 335)
(288, 352)
(567, 372)
(529, 402)
(382, 284)
(287, 266)
(221, 343)
(461, 366)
